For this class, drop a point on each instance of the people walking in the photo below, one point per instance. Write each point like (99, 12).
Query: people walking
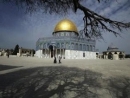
(55, 61)
(59, 59)
(8, 55)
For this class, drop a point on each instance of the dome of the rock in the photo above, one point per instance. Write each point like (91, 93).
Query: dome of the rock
(65, 25)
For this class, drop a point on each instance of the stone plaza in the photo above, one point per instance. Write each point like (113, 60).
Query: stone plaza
(41, 78)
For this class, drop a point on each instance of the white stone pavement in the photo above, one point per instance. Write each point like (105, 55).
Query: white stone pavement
(109, 68)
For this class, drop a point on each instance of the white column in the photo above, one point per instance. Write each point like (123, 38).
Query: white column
(94, 48)
(63, 53)
(56, 52)
(32, 53)
(60, 51)
(20, 51)
(50, 53)
(45, 52)
(40, 53)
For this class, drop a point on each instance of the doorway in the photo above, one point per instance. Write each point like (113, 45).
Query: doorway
(52, 51)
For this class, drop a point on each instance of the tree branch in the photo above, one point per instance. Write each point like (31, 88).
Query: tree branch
(97, 21)
(93, 22)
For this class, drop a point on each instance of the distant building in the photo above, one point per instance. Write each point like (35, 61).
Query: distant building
(4, 52)
(21, 52)
(65, 43)
(25, 52)
(113, 53)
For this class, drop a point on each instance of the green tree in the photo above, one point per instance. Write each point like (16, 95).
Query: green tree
(93, 22)
(16, 50)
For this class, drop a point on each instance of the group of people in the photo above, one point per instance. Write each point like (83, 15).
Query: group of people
(55, 61)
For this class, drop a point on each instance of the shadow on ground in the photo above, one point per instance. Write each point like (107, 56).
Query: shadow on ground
(62, 82)
(5, 67)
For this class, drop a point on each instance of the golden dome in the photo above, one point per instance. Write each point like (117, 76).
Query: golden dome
(65, 25)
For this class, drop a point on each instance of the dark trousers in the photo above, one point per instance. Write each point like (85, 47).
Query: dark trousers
(55, 61)
(59, 61)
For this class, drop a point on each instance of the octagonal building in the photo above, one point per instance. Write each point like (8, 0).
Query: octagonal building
(66, 43)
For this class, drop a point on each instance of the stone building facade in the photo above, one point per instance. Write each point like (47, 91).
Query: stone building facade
(25, 52)
(66, 43)
(113, 53)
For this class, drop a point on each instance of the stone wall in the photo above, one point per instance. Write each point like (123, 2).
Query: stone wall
(72, 54)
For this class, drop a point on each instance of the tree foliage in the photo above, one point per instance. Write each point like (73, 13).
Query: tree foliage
(16, 50)
(94, 23)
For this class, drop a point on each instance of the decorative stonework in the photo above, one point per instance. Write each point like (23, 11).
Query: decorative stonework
(66, 43)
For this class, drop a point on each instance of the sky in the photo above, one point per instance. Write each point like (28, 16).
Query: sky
(24, 29)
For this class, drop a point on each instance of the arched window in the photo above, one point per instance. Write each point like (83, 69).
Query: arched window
(90, 47)
(83, 46)
(72, 34)
(87, 47)
(48, 44)
(67, 34)
(62, 45)
(77, 46)
(67, 45)
(58, 45)
(72, 45)
(57, 34)
(80, 46)
(62, 33)
(93, 48)
(44, 46)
